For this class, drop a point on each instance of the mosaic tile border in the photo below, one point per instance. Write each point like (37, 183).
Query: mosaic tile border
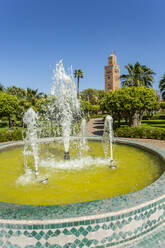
(105, 232)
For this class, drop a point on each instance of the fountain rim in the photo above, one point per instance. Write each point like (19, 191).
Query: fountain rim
(150, 195)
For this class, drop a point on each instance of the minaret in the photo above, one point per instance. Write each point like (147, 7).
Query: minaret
(112, 74)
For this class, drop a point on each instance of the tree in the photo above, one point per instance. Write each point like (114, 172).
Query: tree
(89, 95)
(27, 98)
(162, 86)
(101, 94)
(33, 96)
(9, 105)
(162, 105)
(2, 88)
(78, 74)
(138, 75)
(88, 108)
(114, 102)
(130, 103)
(92, 95)
(16, 91)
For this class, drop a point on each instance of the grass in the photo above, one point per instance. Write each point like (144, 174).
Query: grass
(3, 129)
(154, 124)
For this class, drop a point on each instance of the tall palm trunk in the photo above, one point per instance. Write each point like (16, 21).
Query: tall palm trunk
(78, 94)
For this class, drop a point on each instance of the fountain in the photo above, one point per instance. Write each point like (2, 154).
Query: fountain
(64, 89)
(108, 139)
(96, 196)
(83, 139)
(64, 95)
(31, 141)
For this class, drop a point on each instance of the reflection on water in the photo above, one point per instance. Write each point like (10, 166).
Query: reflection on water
(83, 178)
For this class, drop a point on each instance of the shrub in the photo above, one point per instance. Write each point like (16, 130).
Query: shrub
(140, 132)
(162, 105)
(11, 135)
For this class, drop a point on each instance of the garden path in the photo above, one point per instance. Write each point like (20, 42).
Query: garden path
(95, 127)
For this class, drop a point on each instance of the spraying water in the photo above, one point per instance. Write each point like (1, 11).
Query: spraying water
(31, 141)
(61, 114)
(64, 90)
(108, 139)
(83, 139)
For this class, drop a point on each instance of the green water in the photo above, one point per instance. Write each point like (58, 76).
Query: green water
(77, 180)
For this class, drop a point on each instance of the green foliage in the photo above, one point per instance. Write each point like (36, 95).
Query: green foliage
(162, 86)
(100, 94)
(138, 75)
(98, 116)
(130, 103)
(95, 109)
(9, 105)
(92, 95)
(27, 98)
(89, 95)
(162, 105)
(156, 115)
(11, 135)
(87, 107)
(33, 96)
(154, 123)
(41, 104)
(16, 91)
(78, 74)
(2, 88)
(140, 132)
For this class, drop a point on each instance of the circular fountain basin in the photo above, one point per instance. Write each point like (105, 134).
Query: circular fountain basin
(128, 220)
(86, 177)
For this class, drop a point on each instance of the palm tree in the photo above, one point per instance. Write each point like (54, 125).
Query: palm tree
(33, 96)
(162, 86)
(138, 75)
(16, 91)
(78, 74)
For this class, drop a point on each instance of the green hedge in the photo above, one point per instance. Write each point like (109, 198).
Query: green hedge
(140, 132)
(16, 134)
(11, 135)
(124, 131)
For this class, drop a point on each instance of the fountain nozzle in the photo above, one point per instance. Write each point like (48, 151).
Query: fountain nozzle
(112, 165)
(36, 173)
(44, 181)
(66, 156)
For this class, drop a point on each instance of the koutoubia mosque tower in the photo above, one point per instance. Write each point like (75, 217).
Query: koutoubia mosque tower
(112, 74)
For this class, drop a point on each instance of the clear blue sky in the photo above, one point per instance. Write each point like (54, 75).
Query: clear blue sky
(36, 34)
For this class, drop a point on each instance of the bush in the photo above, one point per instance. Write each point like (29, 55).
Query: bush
(162, 105)
(140, 132)
(98, 116)
(11, 135)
